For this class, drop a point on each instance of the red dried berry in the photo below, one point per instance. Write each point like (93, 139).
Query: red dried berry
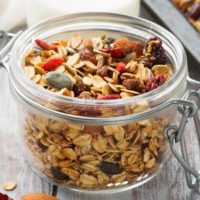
(44, 45)
(110, 96)
(4, 197)
(133, 84)
(154, 83)
(114, 52)
(121, 67)
(52, 64)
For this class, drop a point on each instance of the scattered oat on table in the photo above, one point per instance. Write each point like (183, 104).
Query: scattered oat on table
(9, 185)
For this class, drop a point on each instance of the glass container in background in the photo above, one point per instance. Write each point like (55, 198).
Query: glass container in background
(38, 10)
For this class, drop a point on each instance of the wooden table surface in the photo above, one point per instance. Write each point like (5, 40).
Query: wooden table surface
(169, 184)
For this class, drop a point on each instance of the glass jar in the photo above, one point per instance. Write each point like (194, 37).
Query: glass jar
(97, 146)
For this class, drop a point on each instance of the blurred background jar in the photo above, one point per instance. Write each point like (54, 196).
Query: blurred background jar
(12, 14)
(38, 10)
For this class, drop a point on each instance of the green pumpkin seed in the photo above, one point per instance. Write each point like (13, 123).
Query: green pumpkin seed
(58, 80)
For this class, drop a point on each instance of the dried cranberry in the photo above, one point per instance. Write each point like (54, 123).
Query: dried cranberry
(157, 53)
(133, 84)
(154, 83)
(103, 71)
(79, 87)
(114, 52)
(4, 197)
(86, 53)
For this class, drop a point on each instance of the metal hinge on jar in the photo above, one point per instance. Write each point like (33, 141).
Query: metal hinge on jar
(4, 53)
(175, 135)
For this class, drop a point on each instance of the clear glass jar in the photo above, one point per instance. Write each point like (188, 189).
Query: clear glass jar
(96, 146)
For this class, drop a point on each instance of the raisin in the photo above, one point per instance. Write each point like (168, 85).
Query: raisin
(133, 84)
(156, 53)
(103, 71)
(110, 168)
(154, 83)
(137, 47)
(109, 41)
(57, 174)
(86, 53)
(41, 146)
(79, 87)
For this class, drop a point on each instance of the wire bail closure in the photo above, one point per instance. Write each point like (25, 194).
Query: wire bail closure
(175, 134)
(4, 53)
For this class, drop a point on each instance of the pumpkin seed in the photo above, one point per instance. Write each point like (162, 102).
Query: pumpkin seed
(58, 80)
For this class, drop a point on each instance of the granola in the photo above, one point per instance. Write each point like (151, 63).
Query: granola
(191, 9)
(91, 156)
(100, 68)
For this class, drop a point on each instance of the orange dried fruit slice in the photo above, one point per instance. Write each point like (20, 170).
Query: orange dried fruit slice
(38, 196)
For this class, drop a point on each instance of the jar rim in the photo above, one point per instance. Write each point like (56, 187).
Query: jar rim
(20, 80)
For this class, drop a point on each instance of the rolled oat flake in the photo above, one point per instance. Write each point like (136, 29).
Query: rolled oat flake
(58, 80)
(9, 185)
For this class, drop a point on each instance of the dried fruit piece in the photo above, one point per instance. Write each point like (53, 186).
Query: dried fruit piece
(79, 87)
(86, 53)
(154, 83)
(4, 197)
(9, 185)
(109, 97)
(133, 84)
(194, 11)
(114, 52)
(103, 71)
(121, 67)
(44, 45)
(58, 174)
(38, 196)
(52, 64)
(58, 80)
(155, 53)
(110, 168)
